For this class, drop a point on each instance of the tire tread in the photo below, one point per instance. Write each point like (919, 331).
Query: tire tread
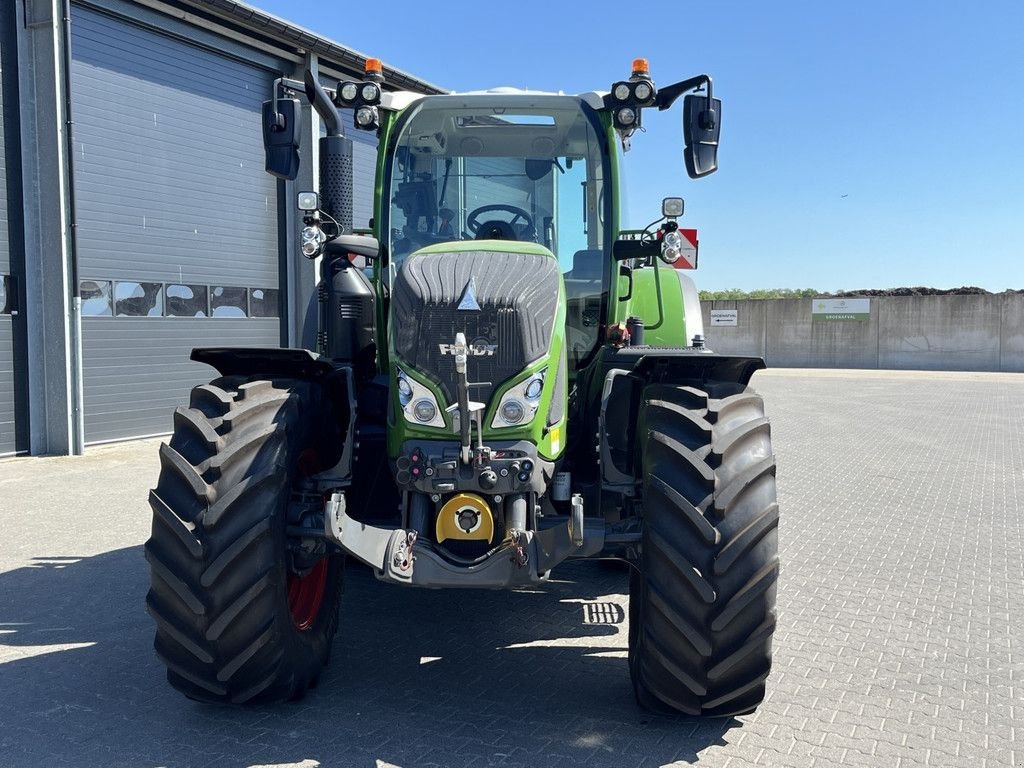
(702, 606)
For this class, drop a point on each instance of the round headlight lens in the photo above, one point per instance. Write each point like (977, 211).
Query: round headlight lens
(424, 411)
(370, 93)
(513, 411)
(533, 389)
(626, 116)
(404, 392)
(349, 91)
(642, 91)
(621, 92)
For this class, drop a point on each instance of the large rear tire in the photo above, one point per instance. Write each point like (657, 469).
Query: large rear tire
(235, 622)
(702, 604)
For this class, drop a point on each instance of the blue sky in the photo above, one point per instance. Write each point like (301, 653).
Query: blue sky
(864, 145)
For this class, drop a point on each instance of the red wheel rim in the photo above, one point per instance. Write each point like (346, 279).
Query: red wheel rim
(306, 593)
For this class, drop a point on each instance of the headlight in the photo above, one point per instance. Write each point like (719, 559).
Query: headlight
(424, 410)
(404, 392)
(621, 91)
(519, 404)
(534, 388)
(626, 116)
(513, 411)
(418, 404)
(642, 91)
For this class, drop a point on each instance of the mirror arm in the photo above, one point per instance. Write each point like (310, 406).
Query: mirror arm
(322, 103)
(667, 96)
(281, 85)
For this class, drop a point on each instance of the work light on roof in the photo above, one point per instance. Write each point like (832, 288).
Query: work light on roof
(348, 92)
(370, 93)
(643, 91)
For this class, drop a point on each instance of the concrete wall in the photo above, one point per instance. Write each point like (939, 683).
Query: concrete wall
(963, 333)
(1011, 340)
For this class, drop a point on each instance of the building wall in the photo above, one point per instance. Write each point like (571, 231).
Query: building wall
(149, 203)
(12, 420)
(965, 333)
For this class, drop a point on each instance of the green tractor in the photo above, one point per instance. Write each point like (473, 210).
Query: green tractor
(498, 378)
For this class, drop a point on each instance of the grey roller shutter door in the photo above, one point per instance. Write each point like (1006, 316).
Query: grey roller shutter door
(7, 426)
(171, 195)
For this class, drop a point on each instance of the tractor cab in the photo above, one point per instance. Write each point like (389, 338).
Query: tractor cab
(509, 166)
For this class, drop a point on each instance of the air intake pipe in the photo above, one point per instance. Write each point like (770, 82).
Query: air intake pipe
(335, 158)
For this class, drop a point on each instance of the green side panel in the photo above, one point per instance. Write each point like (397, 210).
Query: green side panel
(388, 120)
(664, 319)
(614, 185)
(616, 175)
(387, 125)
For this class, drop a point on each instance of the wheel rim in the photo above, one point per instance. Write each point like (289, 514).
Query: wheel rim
(305, 595)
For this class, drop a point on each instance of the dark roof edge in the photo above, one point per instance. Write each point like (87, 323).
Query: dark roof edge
(263, 22)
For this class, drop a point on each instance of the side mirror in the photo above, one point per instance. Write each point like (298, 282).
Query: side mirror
(281, 118)
(702, 122)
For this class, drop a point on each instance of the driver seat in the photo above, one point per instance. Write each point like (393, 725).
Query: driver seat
(496, 229)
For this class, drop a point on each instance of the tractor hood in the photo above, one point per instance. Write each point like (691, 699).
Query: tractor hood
(502, 295)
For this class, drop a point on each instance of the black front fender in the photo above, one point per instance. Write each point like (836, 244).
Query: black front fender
(679, 366)
(256, 361)
(616, 389)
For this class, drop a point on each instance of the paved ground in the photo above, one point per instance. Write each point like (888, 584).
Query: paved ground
(899, 643)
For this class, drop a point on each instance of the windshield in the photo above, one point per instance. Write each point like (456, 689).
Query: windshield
(507, 167)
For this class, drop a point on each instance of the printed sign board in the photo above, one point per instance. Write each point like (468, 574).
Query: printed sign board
(724, 316)
(688, 258)
(840, 309)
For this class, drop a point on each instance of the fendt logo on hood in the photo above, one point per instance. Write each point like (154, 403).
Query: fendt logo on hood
(478, 348)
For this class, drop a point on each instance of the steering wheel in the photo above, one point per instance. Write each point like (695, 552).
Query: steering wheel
(473, 222)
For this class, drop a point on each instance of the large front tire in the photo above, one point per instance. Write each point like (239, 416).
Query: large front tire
(235, 622)
(702, 605)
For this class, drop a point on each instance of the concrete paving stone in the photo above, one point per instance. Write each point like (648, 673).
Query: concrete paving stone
(899, 640)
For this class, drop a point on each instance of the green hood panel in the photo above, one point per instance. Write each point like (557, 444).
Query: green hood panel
(496, 246)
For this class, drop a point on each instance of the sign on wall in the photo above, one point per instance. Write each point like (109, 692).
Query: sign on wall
(724, 316)
(841, 309)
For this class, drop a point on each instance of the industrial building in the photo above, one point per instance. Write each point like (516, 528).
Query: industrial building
(136, 218)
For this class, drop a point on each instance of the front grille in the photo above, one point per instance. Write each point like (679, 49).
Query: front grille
(489, 327)
(518, 297)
